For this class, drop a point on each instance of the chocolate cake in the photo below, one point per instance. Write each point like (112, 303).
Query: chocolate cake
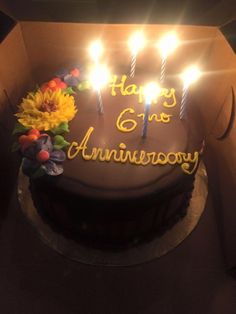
(102, 182)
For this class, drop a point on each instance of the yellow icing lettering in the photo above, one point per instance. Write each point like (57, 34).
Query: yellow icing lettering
(70, 154)
(109, 154)
(164, 117)
(172, 159)
(122, 124)
(97, 154)
(162, 160)
(142, 157)
(120, 86)
(129, 90)
(122, 148)
(187, 161)
(191, 160)
(128, 125)
(80, 147)
(169, 95)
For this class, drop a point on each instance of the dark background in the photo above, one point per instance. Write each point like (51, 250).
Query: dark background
(193, 278)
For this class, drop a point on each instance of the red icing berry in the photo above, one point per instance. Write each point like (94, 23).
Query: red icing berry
(32, 137)
(34, 132)
(52, 84)
(61, 85)
(26, 140)
(42, 156)
(75, 72)
(55, 88)
(57, 80)
(23, 139)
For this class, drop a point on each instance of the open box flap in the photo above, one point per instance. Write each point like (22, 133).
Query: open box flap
(220, 158)
(221, 154)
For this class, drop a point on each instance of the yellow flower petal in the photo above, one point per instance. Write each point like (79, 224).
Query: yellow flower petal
(31, 115)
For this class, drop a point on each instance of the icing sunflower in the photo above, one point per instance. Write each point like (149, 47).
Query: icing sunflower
(46, 110)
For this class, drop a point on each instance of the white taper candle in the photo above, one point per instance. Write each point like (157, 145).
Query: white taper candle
(182, 113)
(133, 65)
(100, 103)
(145, 121)
(163, 69)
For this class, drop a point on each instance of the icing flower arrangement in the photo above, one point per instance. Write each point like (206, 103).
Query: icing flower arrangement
(40, 155)
(43, 119)
(46, 110)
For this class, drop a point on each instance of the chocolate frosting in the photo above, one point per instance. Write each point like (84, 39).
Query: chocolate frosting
(117, 180)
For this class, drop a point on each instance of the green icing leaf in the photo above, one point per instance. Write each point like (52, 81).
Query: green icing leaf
(59, 142)
(62, 128)
(19, 128)
(15, 147)
(84, 85)
(38, 173)
(69, 91)
(58, 139)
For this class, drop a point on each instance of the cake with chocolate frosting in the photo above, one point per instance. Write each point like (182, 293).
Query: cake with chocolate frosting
(94, 177)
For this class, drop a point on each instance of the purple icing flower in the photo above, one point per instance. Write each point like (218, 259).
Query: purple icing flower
(41, 156)
(73, 77)
(71, 80)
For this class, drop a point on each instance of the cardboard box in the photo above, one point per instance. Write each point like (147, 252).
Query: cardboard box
(33, 51)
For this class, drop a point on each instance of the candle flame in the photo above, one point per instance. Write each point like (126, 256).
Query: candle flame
(99, 76)
(151, 91)
(190, 76)
(96, 50)
(167, 44)
(136, 42)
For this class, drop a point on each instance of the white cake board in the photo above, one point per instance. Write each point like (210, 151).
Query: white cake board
(141, 253)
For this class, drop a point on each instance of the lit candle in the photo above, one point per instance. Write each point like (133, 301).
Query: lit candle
(151, 92)
(136, 43)
(166, 45)
(96, 50)
(99, 77)
(189, 76)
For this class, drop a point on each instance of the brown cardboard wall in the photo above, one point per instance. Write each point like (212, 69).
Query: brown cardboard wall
(15, 79)
(220, 160)
(51, 45)
(220, 77)
(14, 65)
